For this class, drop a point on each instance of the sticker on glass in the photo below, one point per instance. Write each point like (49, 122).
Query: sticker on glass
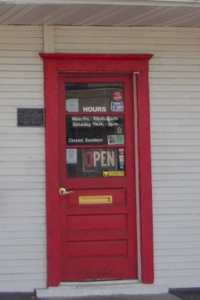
(120, 139)
(113, 173)
(71, 156)
(117, 96)
(115, 139)
(121, 159)
(119, 129)
(117, 106)
(72, 105)
(111, 139)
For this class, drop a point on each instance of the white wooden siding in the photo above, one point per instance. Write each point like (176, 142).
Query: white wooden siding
(175, 132)
(22, 171)
(175, 129)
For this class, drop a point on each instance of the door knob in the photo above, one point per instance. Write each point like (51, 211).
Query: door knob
(63, 191)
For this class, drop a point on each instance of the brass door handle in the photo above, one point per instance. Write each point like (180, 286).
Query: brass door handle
(63, 191)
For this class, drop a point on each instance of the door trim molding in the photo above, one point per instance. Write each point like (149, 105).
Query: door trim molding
(98, 63)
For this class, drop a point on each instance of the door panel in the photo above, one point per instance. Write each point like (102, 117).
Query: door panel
(96, 141)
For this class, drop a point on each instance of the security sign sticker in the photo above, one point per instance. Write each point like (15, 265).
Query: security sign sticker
(113, 173)
(71, 156)
(111, 139)
(121, 159)
(115, 139)
(117, 106)
(117, 96)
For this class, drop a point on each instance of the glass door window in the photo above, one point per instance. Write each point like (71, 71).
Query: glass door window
(95, 139)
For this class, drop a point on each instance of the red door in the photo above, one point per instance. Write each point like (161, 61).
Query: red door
(97, 177)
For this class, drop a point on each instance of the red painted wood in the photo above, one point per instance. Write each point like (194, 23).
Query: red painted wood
(58, 63)
(99, 222)
(108, 268)
(146, 220)
(53, 211)
(94, 249)
(123, 203)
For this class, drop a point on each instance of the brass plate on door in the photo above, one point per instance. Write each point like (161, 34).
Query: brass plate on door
(104, 199)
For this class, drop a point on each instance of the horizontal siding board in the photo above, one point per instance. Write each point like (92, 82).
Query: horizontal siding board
(183, 260)
(175, 129)
(14, 29)
(22, 157)
(171, 239)
(17, 151)
(24, 263)
(21, 130)
(27, 54)
(22, 221)
(24, 165)
(176, 204)
(165, 198)
(176, 148)
(22, 172)
(175, 156)
(27, 184)
(22, 40)
(119, 48)
(22, 68)
(179, 184)
(178, 218)
(20, 47)
(155, 32)
(22, 270)
(21, 206)
(174, 81)
(22, 249)
(175, 107)
(23, 143)
(25, 32)
(19, 277)
(17, 286)
(176, 142)
(110, 39)
(178, 245)
(19, 137)
(174, 272)
(174, 98)
(26, 81)
(176, 190)
(179, 109)
(22, 74)
(24, 234)
(176, 211)
(181, 128)
(22, 88)
(20, 60)
(23, 241)
(177, 252)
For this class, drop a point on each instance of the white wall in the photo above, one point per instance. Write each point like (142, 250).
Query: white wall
(22, 172)
(175, 131)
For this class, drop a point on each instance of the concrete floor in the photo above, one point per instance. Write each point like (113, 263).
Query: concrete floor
(177, 295)
(27, 296)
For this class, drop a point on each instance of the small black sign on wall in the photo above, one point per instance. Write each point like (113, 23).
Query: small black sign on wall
(30, 117)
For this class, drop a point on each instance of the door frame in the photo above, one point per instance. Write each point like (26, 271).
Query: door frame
(104, 63)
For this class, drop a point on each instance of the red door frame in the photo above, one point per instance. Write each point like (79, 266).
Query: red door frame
(116, 63)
